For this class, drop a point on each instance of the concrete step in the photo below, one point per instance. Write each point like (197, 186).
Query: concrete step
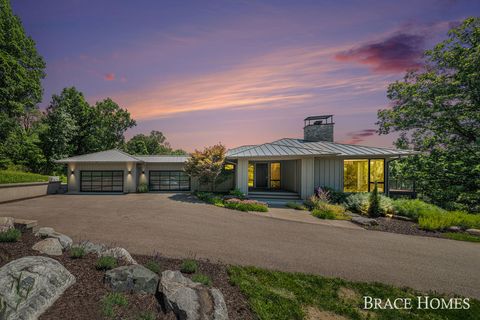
(274, 196)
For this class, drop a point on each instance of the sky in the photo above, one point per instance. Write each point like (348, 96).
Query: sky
(238, 72)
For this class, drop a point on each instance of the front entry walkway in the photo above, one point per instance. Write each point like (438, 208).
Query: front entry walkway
(177, 226)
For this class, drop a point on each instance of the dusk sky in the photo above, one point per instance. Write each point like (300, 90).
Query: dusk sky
(237, 72)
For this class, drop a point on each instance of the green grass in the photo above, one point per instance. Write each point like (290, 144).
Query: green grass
(324, 210)
(461, 236)
(111, 302)
(11, 235)
(153, 266)
(77, 252)
(12, 176)
(280, 295)
(106, 263)
(246, 206)
(440, 221)
(189, 266)
(203, 279)
(296, 206)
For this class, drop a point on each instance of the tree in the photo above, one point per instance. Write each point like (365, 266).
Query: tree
(206, 165)
(154, 143)
(21, 67)
(437, 111)
(374, 210)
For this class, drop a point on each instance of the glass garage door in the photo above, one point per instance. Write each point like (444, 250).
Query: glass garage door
(169, 181)
(101, 181)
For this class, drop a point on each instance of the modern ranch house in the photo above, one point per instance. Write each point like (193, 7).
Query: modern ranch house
(286, 168)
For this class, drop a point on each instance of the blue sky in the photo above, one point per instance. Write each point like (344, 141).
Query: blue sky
(238, 72)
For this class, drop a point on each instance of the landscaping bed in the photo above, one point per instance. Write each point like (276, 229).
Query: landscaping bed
(83, 300)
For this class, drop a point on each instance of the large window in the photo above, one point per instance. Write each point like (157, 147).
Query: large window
(360, 175)
(251, 174)
(275, 175)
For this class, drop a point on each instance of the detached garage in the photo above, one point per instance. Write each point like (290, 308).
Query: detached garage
(115, 171)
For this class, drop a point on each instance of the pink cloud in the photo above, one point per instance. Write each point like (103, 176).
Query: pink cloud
(396, 53)
(109, 77)
(356, 137)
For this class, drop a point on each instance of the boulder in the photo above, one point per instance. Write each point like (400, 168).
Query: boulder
(134, 278)
(473, 232)
(50, 246)
(64, 240)
(190, 300)
(454, 229)
(364, 221)
(44, 232)
(6, 223)
(119, 253)
(29, 285)
(91, 247)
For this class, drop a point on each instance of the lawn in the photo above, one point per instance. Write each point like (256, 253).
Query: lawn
(10, 176)
(281, 295)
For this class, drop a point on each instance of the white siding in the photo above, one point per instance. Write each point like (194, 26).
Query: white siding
(329, 173)
(307, 177)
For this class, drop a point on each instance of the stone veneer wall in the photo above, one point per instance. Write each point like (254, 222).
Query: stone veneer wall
(318, 132)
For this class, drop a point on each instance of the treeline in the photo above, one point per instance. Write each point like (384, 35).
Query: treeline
(32, 139)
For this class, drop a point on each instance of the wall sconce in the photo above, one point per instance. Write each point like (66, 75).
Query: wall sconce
(129, 171)
(72, 172)
(143, 171)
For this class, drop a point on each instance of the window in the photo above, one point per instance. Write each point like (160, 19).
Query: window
(251, 174)
(360, 175)
(228, 167)
(275, 175)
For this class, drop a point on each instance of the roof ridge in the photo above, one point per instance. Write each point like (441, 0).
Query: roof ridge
(247, 145)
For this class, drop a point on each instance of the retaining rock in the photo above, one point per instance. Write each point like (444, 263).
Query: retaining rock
(134, 278)
(50, 246)
(364, 221)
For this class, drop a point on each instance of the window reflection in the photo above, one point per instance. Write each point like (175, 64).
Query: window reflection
(360, 175)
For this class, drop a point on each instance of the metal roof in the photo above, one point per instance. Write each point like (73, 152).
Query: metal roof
(318, 117)
(299, 147)
(116, 155)
(163, 159)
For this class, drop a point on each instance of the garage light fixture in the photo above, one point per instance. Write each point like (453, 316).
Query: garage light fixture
(129, 171)
(72, 172)
(143, 171)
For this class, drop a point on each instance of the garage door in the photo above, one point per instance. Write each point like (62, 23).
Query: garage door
(168, 181)
(101, 181)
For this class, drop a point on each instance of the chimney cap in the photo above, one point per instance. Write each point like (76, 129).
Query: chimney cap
(318, 117)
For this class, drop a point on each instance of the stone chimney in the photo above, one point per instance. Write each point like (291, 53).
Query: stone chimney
(318, 128)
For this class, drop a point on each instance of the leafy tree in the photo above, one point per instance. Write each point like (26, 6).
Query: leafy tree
(154, 143)
(437, 111)
(206, 165)
(21, 67)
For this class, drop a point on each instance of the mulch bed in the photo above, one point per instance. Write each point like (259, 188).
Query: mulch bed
(402, 227)
(83, 299)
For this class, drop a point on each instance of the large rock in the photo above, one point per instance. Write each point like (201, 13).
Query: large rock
(47, 232)
(44, 232)
(473, 232)
(190, 300)
(134, 278)
(6, 223)
(91, 247)
(119, 253)
(50, 246)
(364, 221)
(29, 285)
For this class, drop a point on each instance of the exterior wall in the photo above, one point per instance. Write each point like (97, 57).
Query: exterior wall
(307, 179)
(129, 180)
(19, 191)
(289, 175)
(318, 132)
(241, 178)
(329, 173)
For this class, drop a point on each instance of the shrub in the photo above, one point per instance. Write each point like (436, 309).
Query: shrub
(106, 263)
(203, 279)
(189, 266)
(336, 197)
(77, 252)
(112, 300)
(322, 194)
(142, 188)
(11, 235)
(153, 266)
(237, 193)
(461, 236)
(326, 210)
(360, 202)
(434, 220)
(374, 203)
(296, 206)
(414, 208)
(245, 205)
(204, 196)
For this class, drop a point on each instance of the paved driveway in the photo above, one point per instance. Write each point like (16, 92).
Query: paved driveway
(176, 227)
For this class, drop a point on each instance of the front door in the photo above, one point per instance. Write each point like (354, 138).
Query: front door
(261, 175)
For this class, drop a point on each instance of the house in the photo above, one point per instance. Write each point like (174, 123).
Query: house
(283, 168)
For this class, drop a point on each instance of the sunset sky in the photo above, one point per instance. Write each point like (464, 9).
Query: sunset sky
(237, 72)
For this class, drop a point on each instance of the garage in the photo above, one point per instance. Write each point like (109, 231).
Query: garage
(101, 181)
(168, 181)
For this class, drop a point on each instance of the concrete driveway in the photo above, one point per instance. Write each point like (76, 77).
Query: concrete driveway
(175, 226)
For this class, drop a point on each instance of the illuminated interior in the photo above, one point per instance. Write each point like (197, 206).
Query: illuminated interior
(360, 175)
(275, 175)
(251, 174)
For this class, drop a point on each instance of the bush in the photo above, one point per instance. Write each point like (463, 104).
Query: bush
(461, 236)
(106, 263)
(360, 202)
(237, 194)
(153, 266)
(11, 235)
(142, 188)
(336, 197)
(211, 198)
(77, 252)
(414, 208)
(374, 203)
(112, 300)
(146, 315)
(322, 194)
(326, 210)
(13, 176)
(296, 206)
(189, 266)
(203, 279)
(434, 220)
(245, 205)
